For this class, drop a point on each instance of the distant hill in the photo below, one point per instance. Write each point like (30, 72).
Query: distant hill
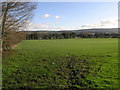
(94, 30)
(102, 30)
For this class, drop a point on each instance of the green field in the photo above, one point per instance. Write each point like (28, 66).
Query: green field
(65, 63)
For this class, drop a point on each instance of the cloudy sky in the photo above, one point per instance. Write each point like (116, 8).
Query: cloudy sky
(72, 16)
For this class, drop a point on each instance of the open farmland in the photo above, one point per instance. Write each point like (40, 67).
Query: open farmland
(63, 63)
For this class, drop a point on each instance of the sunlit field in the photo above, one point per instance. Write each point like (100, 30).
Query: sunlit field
(63, 63)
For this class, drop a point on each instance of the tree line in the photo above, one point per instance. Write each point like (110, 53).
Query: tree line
(66, 35)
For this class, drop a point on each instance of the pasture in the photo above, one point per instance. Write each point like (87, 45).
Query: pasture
(63, 63)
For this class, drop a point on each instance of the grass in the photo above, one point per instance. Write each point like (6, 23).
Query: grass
(65, 63)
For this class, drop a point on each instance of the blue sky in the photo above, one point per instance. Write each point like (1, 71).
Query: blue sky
(73, 14)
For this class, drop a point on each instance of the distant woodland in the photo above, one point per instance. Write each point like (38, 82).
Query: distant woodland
(68, 34)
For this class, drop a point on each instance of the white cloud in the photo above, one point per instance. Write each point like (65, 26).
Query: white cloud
(45, 16)
(35, 26)
(48, 15)
(57, 17)
(43, 27)
(106, 23)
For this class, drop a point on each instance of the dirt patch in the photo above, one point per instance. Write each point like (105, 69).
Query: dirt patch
(14, 46)
(8, 53)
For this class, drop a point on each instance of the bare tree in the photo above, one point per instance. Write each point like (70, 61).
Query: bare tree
(14, 16)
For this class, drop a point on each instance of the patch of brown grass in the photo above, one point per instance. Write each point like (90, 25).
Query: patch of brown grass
(8, 53)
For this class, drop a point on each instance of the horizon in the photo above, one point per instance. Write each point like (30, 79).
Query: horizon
(68, 30)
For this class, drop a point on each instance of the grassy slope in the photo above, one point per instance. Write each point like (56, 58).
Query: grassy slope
(43, 63)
